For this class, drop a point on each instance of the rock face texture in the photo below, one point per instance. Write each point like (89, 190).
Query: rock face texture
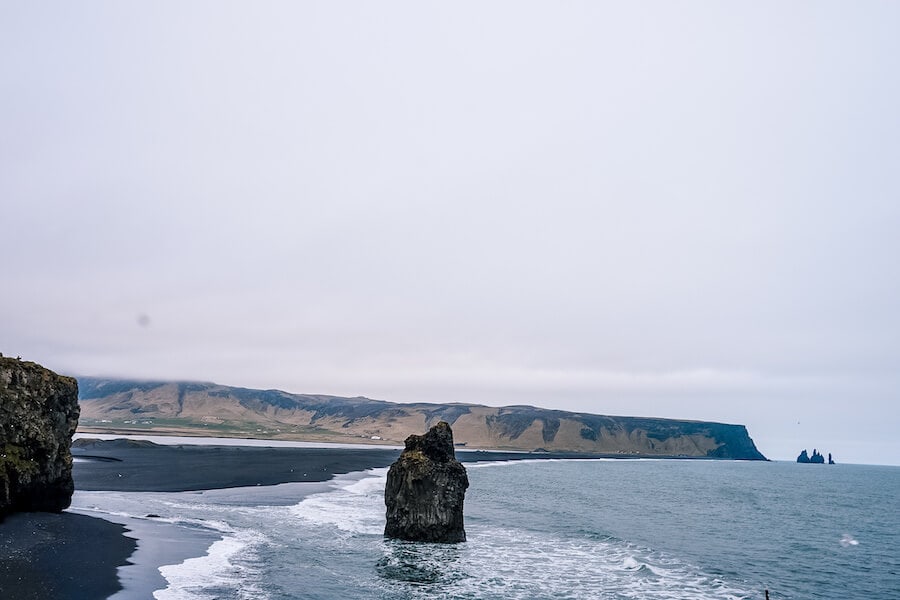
(38, 415)
(425, 490)
(114, 406)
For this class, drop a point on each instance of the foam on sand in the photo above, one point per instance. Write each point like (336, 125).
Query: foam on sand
(203, 577)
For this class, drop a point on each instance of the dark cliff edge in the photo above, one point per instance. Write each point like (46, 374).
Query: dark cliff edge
(38, 415)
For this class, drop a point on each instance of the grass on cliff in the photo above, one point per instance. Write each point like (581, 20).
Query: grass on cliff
(11, 459)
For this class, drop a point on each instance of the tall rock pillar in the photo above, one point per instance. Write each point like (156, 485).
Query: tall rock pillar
(425, 490)
(38, 415)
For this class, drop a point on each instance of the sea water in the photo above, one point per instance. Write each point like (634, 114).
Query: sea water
(614, 529)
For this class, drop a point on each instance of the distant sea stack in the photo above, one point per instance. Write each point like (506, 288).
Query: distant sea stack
(425, 490)
(38, 415)
(816, 458)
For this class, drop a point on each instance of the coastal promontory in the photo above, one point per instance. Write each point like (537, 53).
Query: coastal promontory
(209, 409)
(38, 415)
(425, 490)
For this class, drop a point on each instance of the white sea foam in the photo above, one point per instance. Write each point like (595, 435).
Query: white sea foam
(206, 577)
(511, 563)
(504, 562)
(213, 574)
(329, 545)
(356, 505)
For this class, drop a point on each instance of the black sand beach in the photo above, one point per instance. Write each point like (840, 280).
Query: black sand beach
(141, 466)
(46, 556)
(137, 466)
(70, 555)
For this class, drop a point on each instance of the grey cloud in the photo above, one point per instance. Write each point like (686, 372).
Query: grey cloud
(684, 210)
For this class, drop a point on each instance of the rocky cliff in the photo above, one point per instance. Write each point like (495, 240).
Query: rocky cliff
(194, 408)
(425, 490)
(38, 415)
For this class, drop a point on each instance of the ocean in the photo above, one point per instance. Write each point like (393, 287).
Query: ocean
(610, 529)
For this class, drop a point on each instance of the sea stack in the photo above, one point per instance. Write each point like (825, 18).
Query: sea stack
(425, 490)
(38, 415)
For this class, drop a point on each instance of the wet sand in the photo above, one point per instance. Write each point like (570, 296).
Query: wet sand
(135, 466)
(142, 466)
(48, 556)
(70, 555)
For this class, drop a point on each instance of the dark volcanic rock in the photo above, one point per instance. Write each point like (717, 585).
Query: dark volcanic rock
(425, 490)
(38, 415)
(816, 458)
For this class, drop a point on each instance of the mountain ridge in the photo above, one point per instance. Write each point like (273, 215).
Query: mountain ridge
(206, 408)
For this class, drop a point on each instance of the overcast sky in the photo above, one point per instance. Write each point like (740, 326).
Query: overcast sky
(687, 210)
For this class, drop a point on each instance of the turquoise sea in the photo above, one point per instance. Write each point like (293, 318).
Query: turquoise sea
(611, 529)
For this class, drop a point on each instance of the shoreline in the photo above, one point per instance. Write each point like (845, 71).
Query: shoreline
(268, 471)
(230, 473)
(140, 466)
(174, 464)
(157, 543)
(88, 553)
(165, 542)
